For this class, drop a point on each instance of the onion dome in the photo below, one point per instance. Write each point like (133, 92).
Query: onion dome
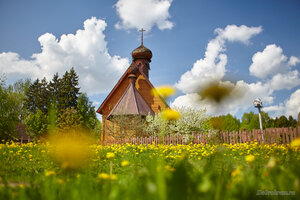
(141, 52)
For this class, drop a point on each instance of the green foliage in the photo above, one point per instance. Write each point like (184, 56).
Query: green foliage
(87, 112)
(225, 123)
(60, 98)
(36, 123)
(157, 126)
(250, 121)
(153, 172)
(68, 90)
(9, 115)
(191, 121)
(69, 119)
(126, 126)
(282, 121)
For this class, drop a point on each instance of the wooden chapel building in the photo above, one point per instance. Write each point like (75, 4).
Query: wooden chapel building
(132, 95)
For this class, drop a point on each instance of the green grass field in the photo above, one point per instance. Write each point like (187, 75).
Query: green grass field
(241, 171)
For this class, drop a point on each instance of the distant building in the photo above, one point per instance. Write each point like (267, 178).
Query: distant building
(22, 137)
(132, 95)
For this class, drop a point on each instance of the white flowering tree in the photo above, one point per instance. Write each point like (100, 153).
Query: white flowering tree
(191, 121)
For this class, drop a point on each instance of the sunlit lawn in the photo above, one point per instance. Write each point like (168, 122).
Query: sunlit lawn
(241, 171)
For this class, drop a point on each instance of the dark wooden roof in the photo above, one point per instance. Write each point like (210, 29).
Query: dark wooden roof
(129, 69)
(131, 103)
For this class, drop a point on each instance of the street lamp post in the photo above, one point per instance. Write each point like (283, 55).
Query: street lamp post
(258, 104)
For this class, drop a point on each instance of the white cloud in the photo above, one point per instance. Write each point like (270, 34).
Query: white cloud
(289, 107)
(293, 61)
(240, 99)
(285, 81)
(143, 14)
(273, 65)
(293, 104)
(212, 68)
(86, 51)
(234, 33)
(271, 61)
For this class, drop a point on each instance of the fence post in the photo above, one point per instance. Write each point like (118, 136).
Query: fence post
(287, 135)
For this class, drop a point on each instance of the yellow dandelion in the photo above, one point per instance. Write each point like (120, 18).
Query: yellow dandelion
(125, 163)
(113, 177)
(110, 155)
(237, 171)
(50, 173)
(103, 176)
(170, 115)
(249, 158)
(71, 149)
(295, 142)
(21, 185)
(164, 91)
(271, 163)
(60, 181)
(169, 168)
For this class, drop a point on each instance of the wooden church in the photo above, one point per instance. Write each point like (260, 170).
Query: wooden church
(132, 95)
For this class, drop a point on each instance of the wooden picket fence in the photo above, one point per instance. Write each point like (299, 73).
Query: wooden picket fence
(268, 136)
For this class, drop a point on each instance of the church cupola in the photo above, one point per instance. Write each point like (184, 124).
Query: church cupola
(141, 56)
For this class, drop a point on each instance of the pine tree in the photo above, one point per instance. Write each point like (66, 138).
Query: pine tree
(69, 90)
(54, 88)
(87, 112)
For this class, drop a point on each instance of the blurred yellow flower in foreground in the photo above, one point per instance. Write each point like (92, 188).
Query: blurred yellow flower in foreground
(106, 176)
(249, 158)
(110, 155)
(237, 171)
(70, 149)
(170, 114)
(49, 173)
(164, 91)
(295, 142)
(271, 163)
(125, 163)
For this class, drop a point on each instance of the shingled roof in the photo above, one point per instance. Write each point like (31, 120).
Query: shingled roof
(131, 103)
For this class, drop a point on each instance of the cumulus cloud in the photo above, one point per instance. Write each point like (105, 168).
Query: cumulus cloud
(273, 65)
(143, 14)
(235, 33)
(86, 51)
(212, 68)
(289, 107)
(269, 62)
(288, 80)
(240, 99)
(293, 104)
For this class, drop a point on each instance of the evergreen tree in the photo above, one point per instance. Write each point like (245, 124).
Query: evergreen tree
(54, 89)
(87, 112)
(37, 96)
(69, 119)
(60, 97)
(69, 90)
(292, 122)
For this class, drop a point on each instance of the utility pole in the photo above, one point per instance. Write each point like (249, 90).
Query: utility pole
(258, 104)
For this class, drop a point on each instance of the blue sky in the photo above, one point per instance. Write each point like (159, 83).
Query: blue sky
(259, 40)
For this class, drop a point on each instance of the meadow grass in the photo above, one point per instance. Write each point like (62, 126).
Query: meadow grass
(240, 171)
